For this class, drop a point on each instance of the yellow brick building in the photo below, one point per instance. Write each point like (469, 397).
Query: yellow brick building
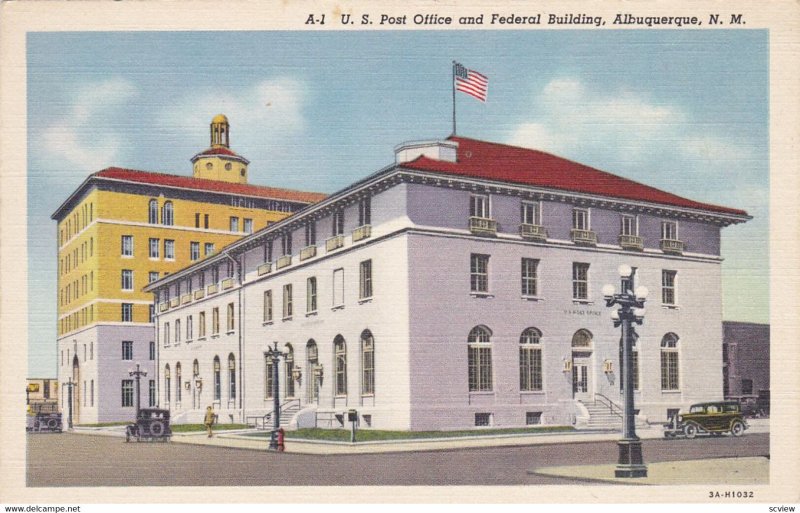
(123, 228)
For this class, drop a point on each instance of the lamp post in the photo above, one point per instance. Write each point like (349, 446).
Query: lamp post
(28, 395)
(274, 355)
(69, 384)
(137, 374)
(631, 311)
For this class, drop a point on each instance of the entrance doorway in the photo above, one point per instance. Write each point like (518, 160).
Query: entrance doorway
(582, 386)
(312, 380)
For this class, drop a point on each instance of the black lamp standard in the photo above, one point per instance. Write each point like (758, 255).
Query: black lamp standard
(137, 375)
(273, 354)
(69, 384)
(631, 311)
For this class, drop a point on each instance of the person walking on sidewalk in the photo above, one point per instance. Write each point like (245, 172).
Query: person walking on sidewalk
(209, 421)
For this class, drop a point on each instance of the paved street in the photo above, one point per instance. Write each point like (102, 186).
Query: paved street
(109, 461)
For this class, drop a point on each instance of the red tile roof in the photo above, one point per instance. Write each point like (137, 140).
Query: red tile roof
(219, 150)
(500, 162)
(185, 182)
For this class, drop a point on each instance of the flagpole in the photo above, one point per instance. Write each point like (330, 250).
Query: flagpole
(453, 85)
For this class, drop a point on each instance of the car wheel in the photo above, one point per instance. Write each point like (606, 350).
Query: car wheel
(737, 428)
(157, 428)
(690, 431)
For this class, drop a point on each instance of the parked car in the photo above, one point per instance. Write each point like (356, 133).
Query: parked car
(715, 418)
(44, 423)
(152, 425)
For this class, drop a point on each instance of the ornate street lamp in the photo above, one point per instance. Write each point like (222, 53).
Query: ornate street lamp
(137, 374)
(274, 355)
(631, 311)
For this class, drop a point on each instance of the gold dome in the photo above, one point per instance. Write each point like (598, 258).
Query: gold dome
(220, 118)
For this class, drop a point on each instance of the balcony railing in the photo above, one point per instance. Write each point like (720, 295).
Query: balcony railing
(212, 289)
(227, 283)
(163, 307)
(362, 232)
(631, 242)
(335, 242)
(186, 298)
(532, 232)
(482, 226)
(199, 294)
(672, 246)
(283, 261)
(308, 252)
(174, 302)
(583, 237)
(265, 268)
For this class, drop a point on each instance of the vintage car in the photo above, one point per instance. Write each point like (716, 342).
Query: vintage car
(713, 418)
(152, 425)
(44, 423)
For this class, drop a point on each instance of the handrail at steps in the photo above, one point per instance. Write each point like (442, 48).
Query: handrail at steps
(605, 401)
(263, 420)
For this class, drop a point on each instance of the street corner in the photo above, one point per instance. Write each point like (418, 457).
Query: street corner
(729, 471)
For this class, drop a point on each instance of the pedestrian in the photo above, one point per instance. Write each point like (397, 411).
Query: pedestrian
(209, 421)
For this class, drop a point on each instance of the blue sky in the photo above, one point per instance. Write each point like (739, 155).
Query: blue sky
(685, 111)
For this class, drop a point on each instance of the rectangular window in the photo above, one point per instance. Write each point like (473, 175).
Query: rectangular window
(367, 365)
(152, 276)
(268, 251)
(365, 280)
(215, 321)
(529, 278)
(127, 279)
(533, 418)
(248, 225)
(628, 283)
(127, 312)
(166, 334)
(629, 226)
(215, 274)
(201, 325)
(197, 220)
(311, 295)
(127, 350)
(231, 318)
(580, 280)
(154, 243)
(668, 287)
(365, 211)
(479, 206)
(127, 393)
(286, 244)
(127, 245)
(338, 287)
(208, 248)
(234, 224)
(152, 350)
(580, 219)
(169, 249)
(189, 328)
(177, 330)
(747, 386)
(483, 419)
(269, 377)
(479, 273)
(669, 370)
(669, 230)
(311, 233)
(194, 250)
(479, 363)
(151, 395)
(91, 392)
(268, 306)
(338, 223)
(151, 313)
(531, 213)
(287, 301)
(205, 221)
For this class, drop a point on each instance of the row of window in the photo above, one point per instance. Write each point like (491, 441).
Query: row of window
(480, 369)
(175, 336)
(76, 289)
(127, 350)
(529, 275)
(79, 220)
(88, 353)
(167, 212)
(196, 378)
(154, 247)
(312, 293)
(531, 214)
(77, 319)
(75, 257)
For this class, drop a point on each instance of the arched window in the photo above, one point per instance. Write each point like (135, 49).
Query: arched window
(670, 360)
(289, 365)
(582, 339)
(152, 212)
(480, 359)
(312, 363)
(340, 365)
(167, 215)
(231, 377)
(367, 363)
(530, 360)
(178, 389)
(166, 385)
(217, 380)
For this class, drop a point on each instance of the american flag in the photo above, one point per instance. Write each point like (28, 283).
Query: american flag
(471, 82)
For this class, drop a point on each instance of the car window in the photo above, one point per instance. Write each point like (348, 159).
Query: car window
(697, 409)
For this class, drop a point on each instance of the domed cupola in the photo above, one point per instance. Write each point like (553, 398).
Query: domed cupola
(219, 162)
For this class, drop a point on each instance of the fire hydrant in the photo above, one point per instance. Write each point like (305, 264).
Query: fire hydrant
(281, 437)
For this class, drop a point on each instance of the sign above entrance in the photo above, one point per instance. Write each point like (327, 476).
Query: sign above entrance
(587, 313)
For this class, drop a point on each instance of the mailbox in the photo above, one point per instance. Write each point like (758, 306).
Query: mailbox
(352, 416)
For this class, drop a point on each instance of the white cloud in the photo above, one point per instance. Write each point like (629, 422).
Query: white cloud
(82, 138)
